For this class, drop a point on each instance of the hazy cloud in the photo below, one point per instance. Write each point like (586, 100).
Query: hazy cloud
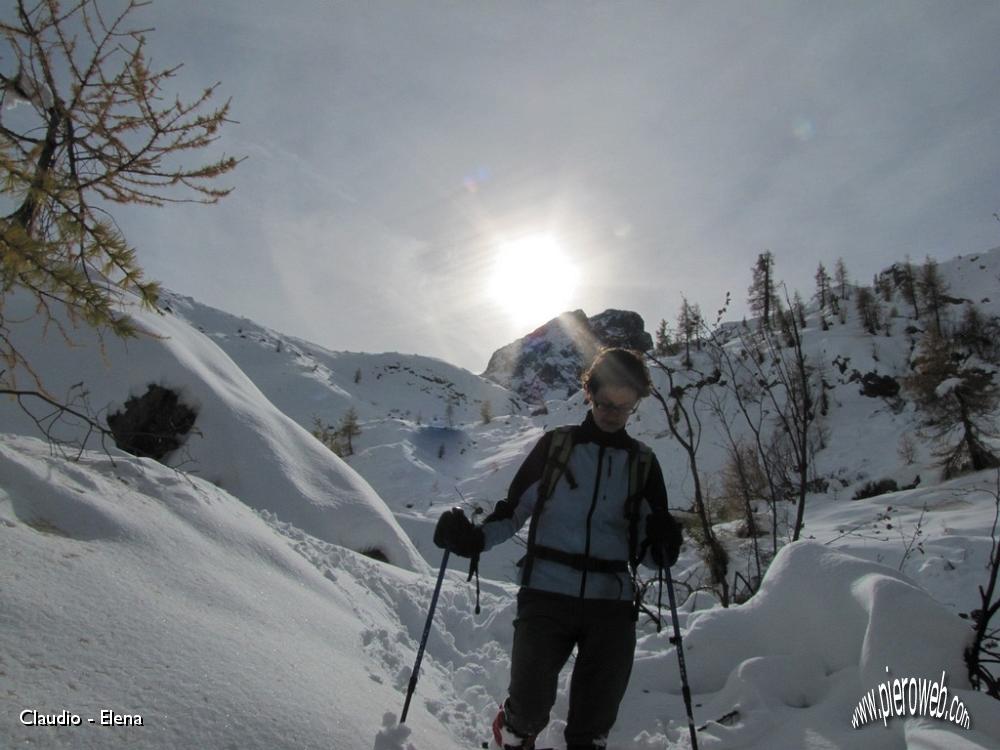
(667, 144)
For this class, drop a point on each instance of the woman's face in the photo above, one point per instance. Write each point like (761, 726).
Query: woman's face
(612, 405)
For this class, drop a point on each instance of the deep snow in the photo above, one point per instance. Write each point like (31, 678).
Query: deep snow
(230, 607)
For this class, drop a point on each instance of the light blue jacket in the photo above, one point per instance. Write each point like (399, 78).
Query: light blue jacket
(585, 516)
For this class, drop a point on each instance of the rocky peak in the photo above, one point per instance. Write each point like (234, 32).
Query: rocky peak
(621, 328)
(547, 363)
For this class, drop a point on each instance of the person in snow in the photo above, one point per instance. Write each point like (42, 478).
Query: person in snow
(597, 505)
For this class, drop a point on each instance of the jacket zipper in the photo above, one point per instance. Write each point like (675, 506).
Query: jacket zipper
(590, 517)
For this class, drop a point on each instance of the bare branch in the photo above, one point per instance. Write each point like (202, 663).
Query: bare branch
(97, 127)
(985, 649)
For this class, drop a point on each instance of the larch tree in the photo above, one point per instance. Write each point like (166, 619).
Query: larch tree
(869, 309)
(822, 287)
(663, 345)
(86, 126)
(933, 290)
(909, 287)
(960, 404)
(841, 277)
(761, 297)
(348, 429)
(689, 323)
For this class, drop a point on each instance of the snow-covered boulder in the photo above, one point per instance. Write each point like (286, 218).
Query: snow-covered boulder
(791, 667)
(131, 588)
(240, 440)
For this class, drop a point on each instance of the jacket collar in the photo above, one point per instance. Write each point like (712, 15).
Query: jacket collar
(589, 432)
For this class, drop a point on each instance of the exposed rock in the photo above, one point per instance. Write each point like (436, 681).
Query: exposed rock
(874, 385)
(621, 328)
(876, 488)
(152, 425)
(548, 362)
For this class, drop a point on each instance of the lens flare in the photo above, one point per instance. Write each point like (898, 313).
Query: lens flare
(803, 128)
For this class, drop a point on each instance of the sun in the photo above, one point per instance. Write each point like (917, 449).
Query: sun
(533, 279)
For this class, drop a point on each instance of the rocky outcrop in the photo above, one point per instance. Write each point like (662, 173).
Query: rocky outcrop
(152, 425)
(547, 363)
(621, 328)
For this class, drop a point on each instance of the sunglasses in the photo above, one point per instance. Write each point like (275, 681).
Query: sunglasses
(609, 408)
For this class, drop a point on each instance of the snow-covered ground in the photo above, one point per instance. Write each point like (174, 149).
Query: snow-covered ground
(228, 602)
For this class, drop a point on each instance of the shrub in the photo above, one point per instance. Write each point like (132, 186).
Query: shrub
(152, 425)
(875, 488)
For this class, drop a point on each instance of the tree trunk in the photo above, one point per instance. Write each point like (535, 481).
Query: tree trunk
(979, 454)
(26, 214)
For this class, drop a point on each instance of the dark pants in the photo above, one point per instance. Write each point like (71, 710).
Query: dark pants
(547, 628)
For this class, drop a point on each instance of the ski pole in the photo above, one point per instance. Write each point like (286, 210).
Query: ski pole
(423, 639)
(676, 640)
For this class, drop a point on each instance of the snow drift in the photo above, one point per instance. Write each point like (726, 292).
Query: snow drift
(241, 442)
(140, 589)
(789, 667)
(146, 592)
(137, 589)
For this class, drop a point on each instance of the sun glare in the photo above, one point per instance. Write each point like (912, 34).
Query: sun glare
(533, 279)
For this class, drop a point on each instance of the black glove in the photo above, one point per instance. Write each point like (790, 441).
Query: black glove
(457, 534)
(664, 536)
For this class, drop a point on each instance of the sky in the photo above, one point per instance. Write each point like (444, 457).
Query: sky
(615, 154)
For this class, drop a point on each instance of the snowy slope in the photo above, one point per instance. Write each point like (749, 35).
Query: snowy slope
(241, 442)
(306, 381)
(133, 588)
(228, 609)
(419, 465)
(145, 592)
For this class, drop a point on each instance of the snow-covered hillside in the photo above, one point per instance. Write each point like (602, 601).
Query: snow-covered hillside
(131, 588)
(135, 589)
(227, 602)
(241, 441)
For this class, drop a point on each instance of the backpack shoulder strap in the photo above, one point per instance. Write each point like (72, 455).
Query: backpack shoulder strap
(556, 465)
(557, 462)
(640, 463)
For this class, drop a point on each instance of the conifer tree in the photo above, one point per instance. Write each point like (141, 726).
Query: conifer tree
(959, 402)
(663, 345)
(869, 309)
(979, 334)
(349, 429)
(799, 308)
(884, 285)
(325, 434)
(822, 287)
(689, 322)
(933, 290)
(761, 292)
(776, 394)
(908, 287)
(841, 278)
(94, 128)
